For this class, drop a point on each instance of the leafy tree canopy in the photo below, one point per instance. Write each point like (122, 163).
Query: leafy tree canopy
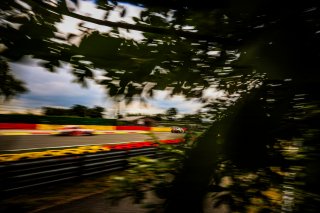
(187, 47)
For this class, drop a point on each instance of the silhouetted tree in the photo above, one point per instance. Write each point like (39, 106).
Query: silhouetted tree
(75, 110)
(79, 110)
(9, 85)
(53, 111)
(95, 112)
(171, 113)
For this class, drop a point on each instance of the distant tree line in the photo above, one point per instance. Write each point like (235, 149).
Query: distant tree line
(170, 115)
(75, 110)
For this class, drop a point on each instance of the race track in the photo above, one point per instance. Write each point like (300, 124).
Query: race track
(24, 142)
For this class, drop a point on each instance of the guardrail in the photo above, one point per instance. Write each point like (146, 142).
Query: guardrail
(30, 173)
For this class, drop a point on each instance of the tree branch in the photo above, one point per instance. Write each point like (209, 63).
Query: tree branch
(149, 29)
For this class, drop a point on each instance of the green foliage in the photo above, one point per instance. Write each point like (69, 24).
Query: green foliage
(147, 174)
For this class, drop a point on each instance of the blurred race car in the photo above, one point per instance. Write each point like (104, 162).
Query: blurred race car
(75, 131)
(176, 129)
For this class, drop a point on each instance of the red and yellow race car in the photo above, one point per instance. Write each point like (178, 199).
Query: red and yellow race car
(74, 131)
(176, 129)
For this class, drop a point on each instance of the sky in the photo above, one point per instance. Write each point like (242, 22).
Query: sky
(58, 90)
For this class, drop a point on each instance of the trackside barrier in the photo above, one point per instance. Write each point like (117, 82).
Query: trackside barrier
(48, 127)
(28, 173)
(54, 127)
(95, 127)
(160, 129)
(17, 126)
(143, 128)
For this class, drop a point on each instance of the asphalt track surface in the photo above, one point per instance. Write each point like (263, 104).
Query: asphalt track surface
(25, 142)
